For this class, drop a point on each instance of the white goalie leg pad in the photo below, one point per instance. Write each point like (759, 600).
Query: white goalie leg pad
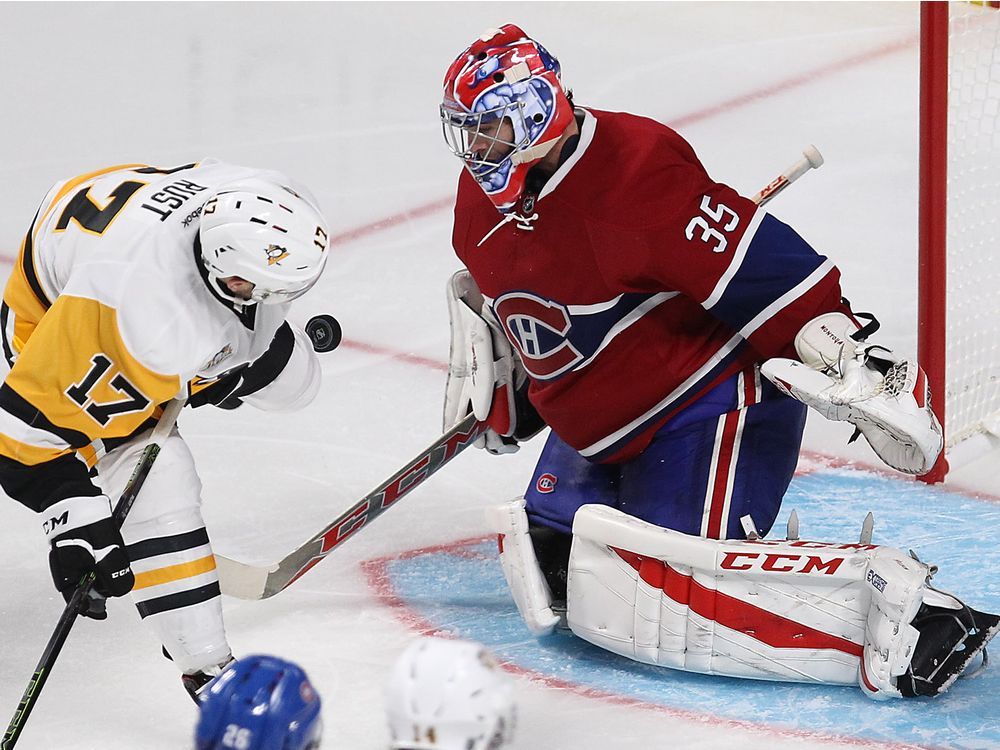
(790, 610)
(520, 567)
(898, 585)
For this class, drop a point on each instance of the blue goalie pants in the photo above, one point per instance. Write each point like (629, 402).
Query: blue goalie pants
(732, 453)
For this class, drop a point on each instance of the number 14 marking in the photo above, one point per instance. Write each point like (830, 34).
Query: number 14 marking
(709, 233)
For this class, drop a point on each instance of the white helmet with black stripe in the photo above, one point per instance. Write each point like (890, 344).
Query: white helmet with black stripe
(267, 234)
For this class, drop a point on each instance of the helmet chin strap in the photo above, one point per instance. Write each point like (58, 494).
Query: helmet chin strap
(533, 153)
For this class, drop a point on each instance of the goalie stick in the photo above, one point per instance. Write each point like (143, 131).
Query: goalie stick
(811, 159)
(72, 608)
(245, 581)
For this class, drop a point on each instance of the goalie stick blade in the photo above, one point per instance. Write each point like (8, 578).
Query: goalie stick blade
(261, 582)
(241, 580)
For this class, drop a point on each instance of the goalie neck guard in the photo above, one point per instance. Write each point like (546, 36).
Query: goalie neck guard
(504, 108)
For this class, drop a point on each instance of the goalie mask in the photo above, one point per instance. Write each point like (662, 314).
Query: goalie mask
(449, 695)
(267, 234)
(260, 703)
(504, 109)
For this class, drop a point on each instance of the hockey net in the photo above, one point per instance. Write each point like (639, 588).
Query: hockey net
(959, 328)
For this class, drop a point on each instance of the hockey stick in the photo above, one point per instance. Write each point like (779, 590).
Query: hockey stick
(245, 581)
(72, 609)
(811, 159)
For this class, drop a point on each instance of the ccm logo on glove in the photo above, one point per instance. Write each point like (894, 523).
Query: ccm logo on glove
(50, 525)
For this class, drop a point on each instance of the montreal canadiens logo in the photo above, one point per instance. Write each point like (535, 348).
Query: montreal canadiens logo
(306, 692)
(539, 328)
(546, 483)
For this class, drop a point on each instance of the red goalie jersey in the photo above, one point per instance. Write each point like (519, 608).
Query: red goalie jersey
(640, 285)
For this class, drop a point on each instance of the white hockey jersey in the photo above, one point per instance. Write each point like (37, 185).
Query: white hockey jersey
(108, 314)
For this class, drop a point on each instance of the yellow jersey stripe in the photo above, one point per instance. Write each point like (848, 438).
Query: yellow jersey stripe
(74, 334)
(174, 572)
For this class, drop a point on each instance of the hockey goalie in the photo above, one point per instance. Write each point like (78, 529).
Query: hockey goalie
(672, 333)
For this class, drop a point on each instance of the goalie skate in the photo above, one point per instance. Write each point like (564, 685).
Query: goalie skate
(951, 641)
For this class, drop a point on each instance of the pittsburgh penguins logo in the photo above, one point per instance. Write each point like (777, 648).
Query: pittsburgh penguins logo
(275, 253)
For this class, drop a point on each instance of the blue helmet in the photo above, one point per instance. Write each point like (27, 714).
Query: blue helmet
(260, 703)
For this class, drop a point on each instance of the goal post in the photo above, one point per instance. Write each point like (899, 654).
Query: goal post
(959, 224)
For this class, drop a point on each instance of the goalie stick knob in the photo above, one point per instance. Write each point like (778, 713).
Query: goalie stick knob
(324, 332)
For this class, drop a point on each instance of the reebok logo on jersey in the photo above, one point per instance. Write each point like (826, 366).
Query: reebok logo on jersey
(192, 216)
(275, 253)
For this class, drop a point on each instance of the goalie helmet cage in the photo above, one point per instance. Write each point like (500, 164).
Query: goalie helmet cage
(959, 268)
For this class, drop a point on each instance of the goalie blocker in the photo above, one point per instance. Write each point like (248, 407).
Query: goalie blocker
(786, 610)
(485, 376)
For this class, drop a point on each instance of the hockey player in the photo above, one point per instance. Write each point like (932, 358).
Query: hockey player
(448, 694)
(260, 703)
(619, 295)
(135, 285)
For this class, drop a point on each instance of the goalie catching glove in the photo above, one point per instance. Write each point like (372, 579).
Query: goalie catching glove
(485, 376)
(883, 395)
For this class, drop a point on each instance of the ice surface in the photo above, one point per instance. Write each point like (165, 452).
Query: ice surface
(344, 97)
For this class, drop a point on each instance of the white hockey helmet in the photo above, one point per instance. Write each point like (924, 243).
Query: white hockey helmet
(449, 695)
(266, 233)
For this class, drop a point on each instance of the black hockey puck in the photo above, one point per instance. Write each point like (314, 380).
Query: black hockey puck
(324, 332)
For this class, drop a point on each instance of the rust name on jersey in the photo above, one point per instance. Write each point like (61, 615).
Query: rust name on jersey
(172, 197)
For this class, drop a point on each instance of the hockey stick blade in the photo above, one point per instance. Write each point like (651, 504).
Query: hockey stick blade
(245, 581)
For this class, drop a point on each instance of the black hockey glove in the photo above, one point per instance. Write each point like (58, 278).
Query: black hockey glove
(230, 389)
(223, 393)
(83, 538)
